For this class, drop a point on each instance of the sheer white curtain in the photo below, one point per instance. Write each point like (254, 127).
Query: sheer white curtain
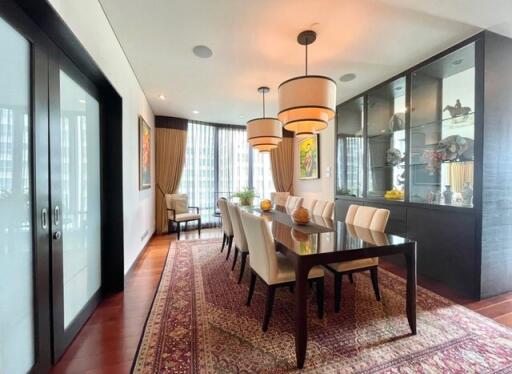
(198, 177)
(217, 163)
(262, 174)
(233, 160)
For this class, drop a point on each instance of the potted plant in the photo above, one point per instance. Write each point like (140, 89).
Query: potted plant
(246, 196)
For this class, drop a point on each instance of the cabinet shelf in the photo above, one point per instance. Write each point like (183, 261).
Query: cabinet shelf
(468, 122)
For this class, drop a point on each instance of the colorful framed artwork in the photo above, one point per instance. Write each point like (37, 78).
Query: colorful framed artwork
(308, 157)
(144, 154)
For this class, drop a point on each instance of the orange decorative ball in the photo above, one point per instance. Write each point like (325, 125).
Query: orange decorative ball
(266, 205)
(300, 216)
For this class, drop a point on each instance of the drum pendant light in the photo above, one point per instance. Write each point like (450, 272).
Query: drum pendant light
(264, 134)
(308, 102)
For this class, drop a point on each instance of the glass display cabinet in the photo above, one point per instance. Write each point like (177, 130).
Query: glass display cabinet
(442, 130)
(350, 146)
(386, 141)
(415, 145)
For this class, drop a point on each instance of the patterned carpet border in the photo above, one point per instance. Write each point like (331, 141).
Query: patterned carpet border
(190, 326)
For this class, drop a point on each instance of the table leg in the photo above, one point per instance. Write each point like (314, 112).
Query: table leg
(410, 259)
(301, 312)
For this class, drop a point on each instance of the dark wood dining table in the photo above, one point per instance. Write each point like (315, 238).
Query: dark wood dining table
(323, 241)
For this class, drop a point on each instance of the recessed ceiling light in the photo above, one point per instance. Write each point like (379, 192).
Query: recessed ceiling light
(81, 101)
(202, 51)
(348, 77)
(457, 62)
(398, 88)
(161, 97)
(195, 111)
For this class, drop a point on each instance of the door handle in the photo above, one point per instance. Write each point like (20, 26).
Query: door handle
(44, 218)
(57, 235)
(56, 215)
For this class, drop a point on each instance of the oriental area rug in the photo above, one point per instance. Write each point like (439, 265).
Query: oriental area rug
(199, 324)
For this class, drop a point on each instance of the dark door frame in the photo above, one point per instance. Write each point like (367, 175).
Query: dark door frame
(52, 40)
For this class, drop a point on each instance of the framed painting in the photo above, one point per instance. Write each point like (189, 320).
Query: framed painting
(144, 154)
(308, 157)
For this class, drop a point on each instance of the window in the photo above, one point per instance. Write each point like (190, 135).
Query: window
(217, 163)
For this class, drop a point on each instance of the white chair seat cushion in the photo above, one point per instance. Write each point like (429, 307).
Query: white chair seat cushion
(354, 265)
(184, 216)
(286, 272)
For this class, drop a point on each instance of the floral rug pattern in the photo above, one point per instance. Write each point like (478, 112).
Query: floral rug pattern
(199, 324)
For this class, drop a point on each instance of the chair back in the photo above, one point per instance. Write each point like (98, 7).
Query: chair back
(262, 249)
(227, 227)
(367, 217)
(238, 229)
(309, 204)
(279, 198)
(293, 202)
(323, 209)
(169, 199)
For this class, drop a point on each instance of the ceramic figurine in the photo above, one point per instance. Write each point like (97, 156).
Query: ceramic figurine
(457, 110)
(467, 193)
(448, 194)
(397, 122)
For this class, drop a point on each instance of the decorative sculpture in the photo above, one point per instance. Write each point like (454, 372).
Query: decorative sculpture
(457, 110)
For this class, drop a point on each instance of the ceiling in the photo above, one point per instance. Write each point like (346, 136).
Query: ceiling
(254, 44)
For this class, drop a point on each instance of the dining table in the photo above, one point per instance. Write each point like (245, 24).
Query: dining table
(323, 241)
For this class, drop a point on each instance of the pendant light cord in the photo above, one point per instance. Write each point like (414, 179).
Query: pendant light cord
(263, 104)
(306, 59)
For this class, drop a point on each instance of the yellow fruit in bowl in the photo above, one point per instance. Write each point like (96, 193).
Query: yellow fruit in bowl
(300, 216)
(394, 194)
(266, 205)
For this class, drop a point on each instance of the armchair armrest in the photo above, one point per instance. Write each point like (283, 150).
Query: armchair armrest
(173, 213)
(194, 207)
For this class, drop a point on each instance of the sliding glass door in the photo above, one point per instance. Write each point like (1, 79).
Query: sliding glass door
(17, 320)
(76, 201)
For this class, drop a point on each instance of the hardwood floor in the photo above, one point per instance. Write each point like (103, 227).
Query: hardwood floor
(109, 340)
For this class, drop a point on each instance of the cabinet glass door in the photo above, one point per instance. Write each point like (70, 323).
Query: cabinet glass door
(17, 344)
(350, 147)
(442, 130)
(386, 141)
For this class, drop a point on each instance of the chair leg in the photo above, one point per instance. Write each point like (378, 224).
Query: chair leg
(242, 266)
(251, 288)
(199, 227)
(169, 226)
(374, 273)
(234, 259)
(338, 281)
(224, 240)
(271, 292)
(292, 289)
(320, 297)
(186, 225)
(178, 229)
(230, 241)
(351, 278)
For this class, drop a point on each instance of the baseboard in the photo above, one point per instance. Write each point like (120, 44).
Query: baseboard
(130, 270)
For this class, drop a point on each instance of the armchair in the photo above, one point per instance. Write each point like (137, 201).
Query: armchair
(178, 211)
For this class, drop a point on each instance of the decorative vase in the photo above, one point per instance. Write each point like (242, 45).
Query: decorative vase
(448, 194)
(467, 193)
(300, 216)
(265, 205)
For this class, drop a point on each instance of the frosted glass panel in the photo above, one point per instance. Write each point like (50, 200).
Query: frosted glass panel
(80, 178)
(16, 260)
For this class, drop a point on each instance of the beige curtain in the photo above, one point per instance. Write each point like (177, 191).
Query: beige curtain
(171, 143)
(460, 172)
(282, 163)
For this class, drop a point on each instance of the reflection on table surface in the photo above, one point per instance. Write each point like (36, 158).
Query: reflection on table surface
(323, 235)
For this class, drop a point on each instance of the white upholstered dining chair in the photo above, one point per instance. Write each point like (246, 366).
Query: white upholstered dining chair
(309, 204)
(274, 269)
(293, 202)
(279, 198)
(368, 218)
(227, 227)
(240, 239)
(323, 209)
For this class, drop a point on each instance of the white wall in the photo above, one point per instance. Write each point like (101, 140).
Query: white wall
(90, 25)
(322, 188)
